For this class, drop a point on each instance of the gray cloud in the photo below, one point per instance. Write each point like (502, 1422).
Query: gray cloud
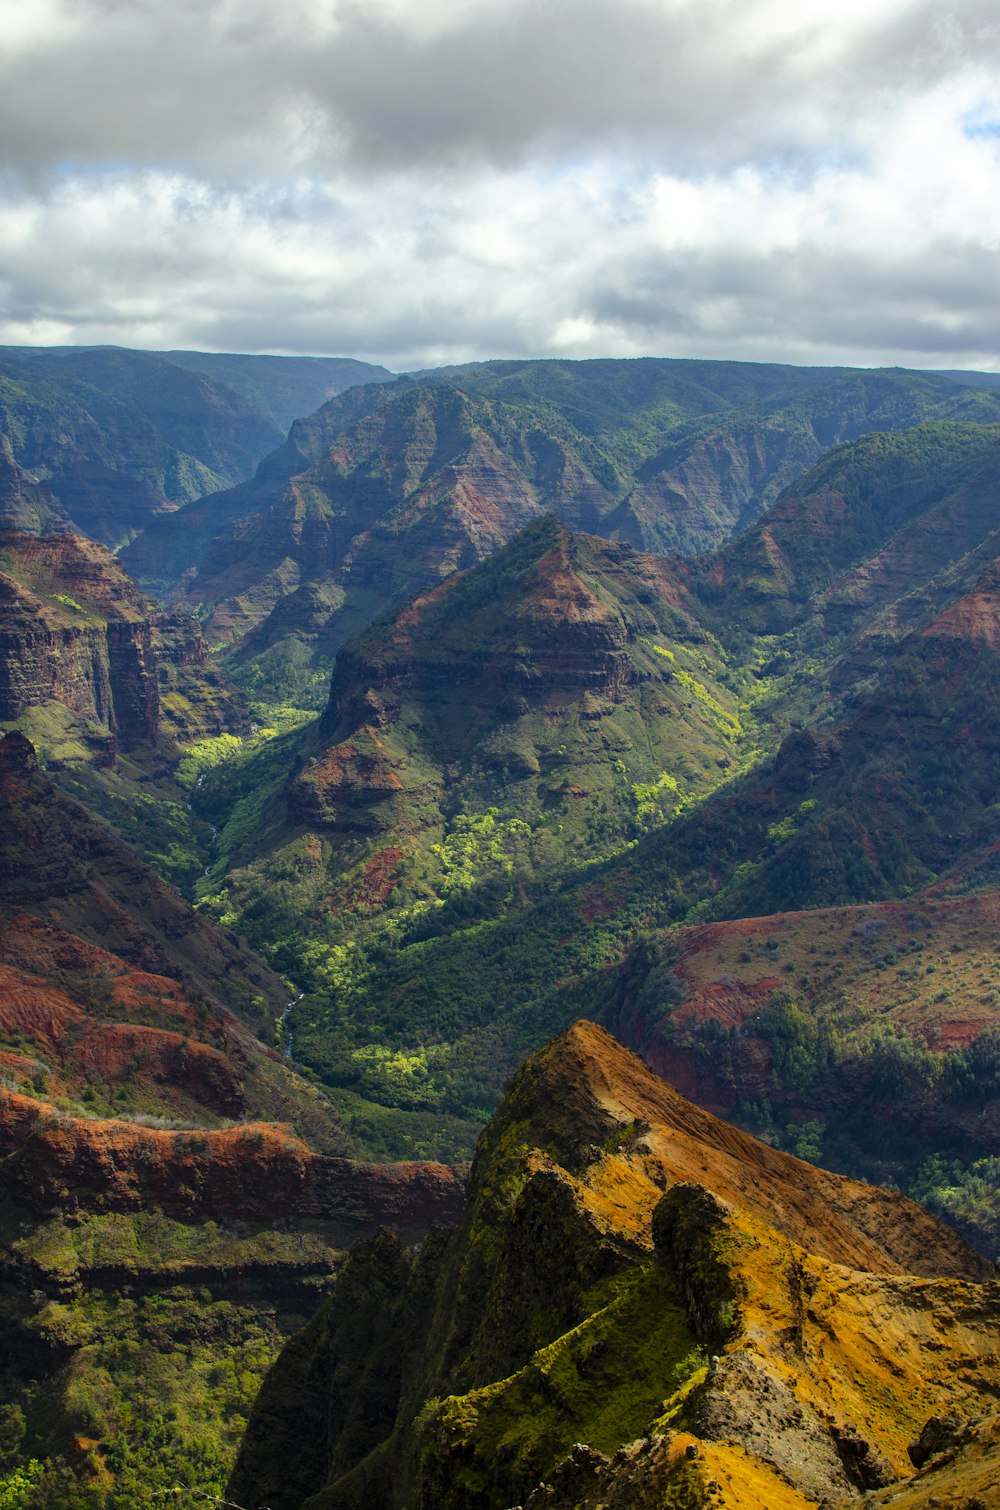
(456, 180)
(227, 90)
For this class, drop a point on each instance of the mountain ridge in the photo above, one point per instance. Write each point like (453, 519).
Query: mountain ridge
(562, 1335)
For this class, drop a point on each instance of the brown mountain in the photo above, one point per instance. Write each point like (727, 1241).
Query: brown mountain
(88, 666)
(642, 1307)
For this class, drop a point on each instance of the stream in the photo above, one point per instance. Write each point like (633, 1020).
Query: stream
(284, 1034)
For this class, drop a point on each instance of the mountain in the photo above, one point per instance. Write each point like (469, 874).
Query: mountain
(850, 752)
(174, 1194)
(882, 532)
(738, 806)
(386, 489)
(643, 1305)
(106, 439)
(283, 388)
(896, 798)
(555, 701)
(110, 689)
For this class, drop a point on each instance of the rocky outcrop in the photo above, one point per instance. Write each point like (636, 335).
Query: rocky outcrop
(257, 1172)
(91, 665)
(642, 1307)
(75, 632)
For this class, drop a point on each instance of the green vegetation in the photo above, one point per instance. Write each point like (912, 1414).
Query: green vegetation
(154, 1372)
(204, 756)
(512, 783)
(603, 1382)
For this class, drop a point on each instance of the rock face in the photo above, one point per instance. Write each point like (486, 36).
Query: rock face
(196, 700)
(91, 665)
(258, 1172)
(643, 1307)
(75, 632)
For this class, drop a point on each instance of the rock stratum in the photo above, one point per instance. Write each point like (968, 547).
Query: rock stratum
(643, 1307)
(89, 666)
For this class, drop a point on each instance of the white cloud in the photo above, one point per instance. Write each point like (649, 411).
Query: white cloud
(455, 179)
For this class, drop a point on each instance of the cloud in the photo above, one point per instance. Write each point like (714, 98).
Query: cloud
(454, 180)
(226, 88)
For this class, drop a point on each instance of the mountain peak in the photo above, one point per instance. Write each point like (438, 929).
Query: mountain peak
(631, 1271)
(586, 1092)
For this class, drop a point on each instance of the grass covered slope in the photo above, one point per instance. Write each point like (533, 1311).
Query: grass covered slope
(549, 705)
(641, 1298)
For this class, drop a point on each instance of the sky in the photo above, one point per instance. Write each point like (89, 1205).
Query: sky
(417, 182)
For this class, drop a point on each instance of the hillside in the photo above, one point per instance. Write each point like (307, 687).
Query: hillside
(174, 1193)
(896, 798)
(454, 897)
(862, 1037)
(552, 703)
(643, 1306)
(385, 490)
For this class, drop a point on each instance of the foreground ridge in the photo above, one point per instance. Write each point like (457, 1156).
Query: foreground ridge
(643, 1307)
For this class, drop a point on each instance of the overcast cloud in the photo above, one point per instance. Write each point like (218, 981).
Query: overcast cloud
(423, 181)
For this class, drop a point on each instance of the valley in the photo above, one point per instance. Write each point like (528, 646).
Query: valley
(495, 711)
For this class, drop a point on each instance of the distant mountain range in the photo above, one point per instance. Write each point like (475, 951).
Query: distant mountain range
(103, 439)
(386, 489)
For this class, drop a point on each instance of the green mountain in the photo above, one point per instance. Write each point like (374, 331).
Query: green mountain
(446, 905)
(110, 439)
(385, 490)
(549, 705)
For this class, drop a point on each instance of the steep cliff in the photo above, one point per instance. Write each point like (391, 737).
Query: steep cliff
(74, 632)
(89, 667)
(643, 1306)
